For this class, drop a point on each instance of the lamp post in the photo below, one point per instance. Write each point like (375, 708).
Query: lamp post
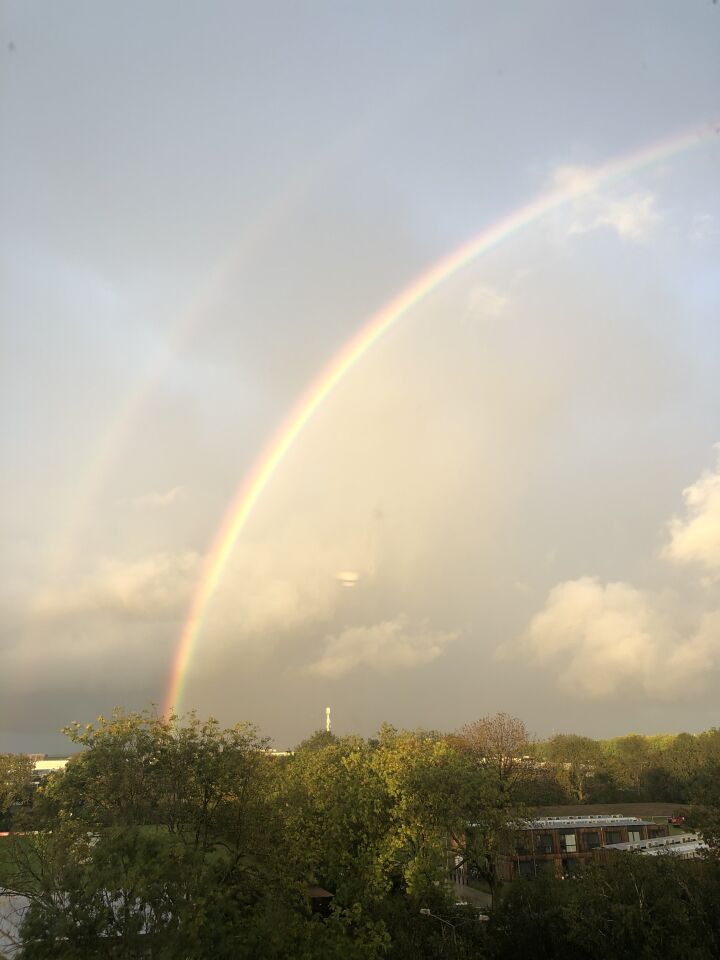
(425, 911)
(481, 918)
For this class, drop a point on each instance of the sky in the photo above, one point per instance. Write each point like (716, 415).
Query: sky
(202, 204)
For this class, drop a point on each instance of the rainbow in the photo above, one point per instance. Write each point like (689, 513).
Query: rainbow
(369, 334)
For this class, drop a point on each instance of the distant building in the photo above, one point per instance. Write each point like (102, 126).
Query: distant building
(43, 767)
(560, 845)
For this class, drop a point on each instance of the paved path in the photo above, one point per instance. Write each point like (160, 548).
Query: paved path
(478, 898)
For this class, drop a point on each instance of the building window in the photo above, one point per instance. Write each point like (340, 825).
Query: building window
(525, 868)
(613, 836)
(592, 839)
(568, 841)
(522, 846)
(544, 843)
(634, 836)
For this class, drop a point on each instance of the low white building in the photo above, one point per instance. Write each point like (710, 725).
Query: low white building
(42, 768)
(685, 846)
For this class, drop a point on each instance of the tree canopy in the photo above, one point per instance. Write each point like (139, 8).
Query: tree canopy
(177, 837)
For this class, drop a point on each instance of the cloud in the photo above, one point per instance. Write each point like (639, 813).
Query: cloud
(157, 499)
(276, 588)
(695, 538)
(485, 302)
(387, 646)
(157, 585)
(690, 661)
(632, 217)
(259, 602)
(606, 639)
(469, 441)
(111, 628)
(576, 180)
(601, 635)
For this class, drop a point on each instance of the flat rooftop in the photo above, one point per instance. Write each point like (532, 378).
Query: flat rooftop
(591, 820)
(682, 844)
(49, 766)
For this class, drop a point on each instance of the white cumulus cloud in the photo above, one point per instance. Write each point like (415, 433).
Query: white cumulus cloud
(599, 636)
(575, 180)
(387, 646)
(607, 639)
(695, 538)
(691, 660)
(151, 586)
(632, 217)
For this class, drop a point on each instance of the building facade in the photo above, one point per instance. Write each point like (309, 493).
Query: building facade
(560, 845)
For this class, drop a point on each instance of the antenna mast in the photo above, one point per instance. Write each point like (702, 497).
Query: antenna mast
(327, 719)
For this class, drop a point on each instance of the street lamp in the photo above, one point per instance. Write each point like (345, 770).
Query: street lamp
(481, 918)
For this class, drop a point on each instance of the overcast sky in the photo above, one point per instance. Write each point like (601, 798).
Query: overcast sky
(201, 203)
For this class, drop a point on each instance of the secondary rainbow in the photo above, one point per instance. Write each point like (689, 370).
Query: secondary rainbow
(369, 334)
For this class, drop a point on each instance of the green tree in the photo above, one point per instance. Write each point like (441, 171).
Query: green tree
(434, 793)
(576, 760)
(630, 758)
(317, 741)
(632, 906)
(167, 841)
(705, 811)
(381, 824)
(336, 811)
(15, 781)
(682, 758)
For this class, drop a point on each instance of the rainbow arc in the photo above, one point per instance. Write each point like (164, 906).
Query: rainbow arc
(367, 336)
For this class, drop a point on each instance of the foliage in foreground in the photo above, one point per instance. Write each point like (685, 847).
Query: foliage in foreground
(632, 907)
(169, 839)
(179, 839)
(15, 785)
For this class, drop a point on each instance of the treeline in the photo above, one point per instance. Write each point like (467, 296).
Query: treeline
(668, 768)
(168, 838)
